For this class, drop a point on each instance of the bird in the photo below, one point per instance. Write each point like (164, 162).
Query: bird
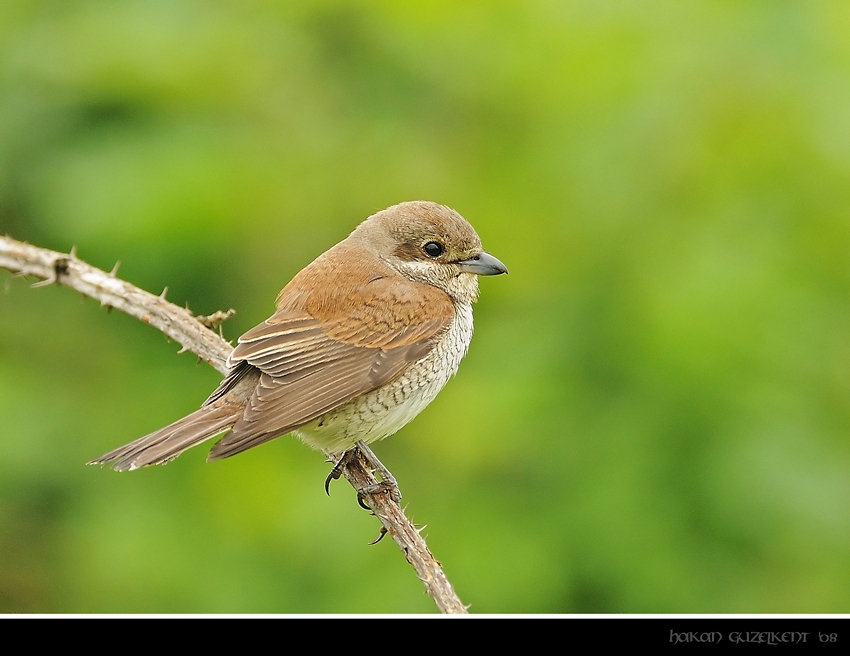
(361, 341)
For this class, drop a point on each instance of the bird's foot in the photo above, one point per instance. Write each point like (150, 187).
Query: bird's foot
(388, 483)
(381, 535)
(381, 487)
(336, 471)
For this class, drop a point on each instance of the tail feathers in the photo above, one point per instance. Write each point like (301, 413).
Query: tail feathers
(169, 442)
(225, 448)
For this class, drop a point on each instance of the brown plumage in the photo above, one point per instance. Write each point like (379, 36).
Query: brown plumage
(362, 340)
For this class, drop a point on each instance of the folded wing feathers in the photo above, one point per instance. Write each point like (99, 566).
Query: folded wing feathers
(279, 406)
(305, 374)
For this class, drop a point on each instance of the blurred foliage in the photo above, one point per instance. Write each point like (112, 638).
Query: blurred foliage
(655, 410)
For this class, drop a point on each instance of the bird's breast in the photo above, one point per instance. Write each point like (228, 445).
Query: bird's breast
(384, 411)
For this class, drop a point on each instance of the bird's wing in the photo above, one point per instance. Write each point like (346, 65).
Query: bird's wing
(322, 355)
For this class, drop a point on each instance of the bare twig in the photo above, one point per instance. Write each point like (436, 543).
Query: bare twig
(66, 269)
(215, 319)
(190, 332)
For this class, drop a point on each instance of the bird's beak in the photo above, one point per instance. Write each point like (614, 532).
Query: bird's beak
(482, 264)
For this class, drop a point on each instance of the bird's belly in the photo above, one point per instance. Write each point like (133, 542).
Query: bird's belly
(384, 411)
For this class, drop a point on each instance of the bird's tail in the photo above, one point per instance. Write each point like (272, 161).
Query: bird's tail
(169, 442)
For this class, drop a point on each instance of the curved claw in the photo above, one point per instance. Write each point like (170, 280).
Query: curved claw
(381, 535)
(336, 470)
(360, 497)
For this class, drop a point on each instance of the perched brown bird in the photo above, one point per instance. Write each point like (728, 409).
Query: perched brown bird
(362, 340)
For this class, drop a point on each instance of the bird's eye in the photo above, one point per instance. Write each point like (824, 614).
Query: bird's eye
(433, 249)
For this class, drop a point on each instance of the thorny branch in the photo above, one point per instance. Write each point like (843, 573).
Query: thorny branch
(194, 334)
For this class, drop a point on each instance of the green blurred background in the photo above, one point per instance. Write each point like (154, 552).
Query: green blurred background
(654, 413)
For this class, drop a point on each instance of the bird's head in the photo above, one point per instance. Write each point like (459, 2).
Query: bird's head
(430, 243)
